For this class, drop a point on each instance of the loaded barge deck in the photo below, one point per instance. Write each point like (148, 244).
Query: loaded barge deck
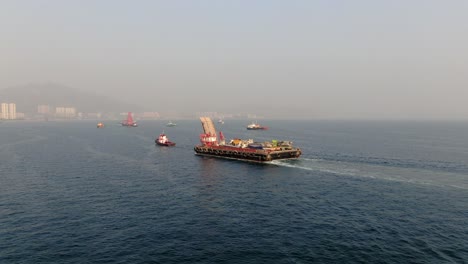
(246, 150)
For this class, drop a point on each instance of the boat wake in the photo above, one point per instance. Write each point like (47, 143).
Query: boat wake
(35, 138)
(382, 172)
(147, 162)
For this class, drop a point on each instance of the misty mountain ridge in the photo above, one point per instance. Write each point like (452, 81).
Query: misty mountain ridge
(28, 97)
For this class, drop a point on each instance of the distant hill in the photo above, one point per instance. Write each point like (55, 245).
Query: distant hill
(28, 97)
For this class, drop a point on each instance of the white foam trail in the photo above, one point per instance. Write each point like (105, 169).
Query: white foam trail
(390, 173)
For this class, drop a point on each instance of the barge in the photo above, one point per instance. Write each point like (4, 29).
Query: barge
(238, 149)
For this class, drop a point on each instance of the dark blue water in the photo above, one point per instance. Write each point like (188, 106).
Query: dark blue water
(375, 192)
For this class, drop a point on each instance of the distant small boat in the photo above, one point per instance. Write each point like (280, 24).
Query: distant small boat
(170, 124)
(129, 122)
(221, 121)
(255, 126)
(100, 125)
(162, 140)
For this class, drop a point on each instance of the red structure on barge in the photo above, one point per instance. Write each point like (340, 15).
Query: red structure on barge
(239, 149)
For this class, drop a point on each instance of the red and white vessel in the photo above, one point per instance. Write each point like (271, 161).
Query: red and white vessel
(162, 140)
(129, 122)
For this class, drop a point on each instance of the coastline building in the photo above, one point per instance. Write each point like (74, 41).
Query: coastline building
(12, 111)
(94, 116)
(65, 112)
(8, 111)
(4, 111)
(150, 115)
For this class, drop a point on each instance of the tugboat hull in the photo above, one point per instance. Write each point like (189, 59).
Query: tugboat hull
(129, 125)
(167, 144)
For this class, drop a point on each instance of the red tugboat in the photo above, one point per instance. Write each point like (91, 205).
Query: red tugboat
(162, 140)
(129, 122)
(238, 149)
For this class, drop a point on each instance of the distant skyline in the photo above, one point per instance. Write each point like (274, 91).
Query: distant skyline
(288, 59)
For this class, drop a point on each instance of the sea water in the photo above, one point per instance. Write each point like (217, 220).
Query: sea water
(362, 191)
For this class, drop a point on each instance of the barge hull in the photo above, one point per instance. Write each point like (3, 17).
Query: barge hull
(252, 155)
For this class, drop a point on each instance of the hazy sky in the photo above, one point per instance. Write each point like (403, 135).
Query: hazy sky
(318, 59)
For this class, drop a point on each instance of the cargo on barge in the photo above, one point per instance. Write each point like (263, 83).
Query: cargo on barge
(239, 149)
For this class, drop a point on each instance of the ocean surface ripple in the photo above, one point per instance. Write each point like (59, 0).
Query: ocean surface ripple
(362, 192)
